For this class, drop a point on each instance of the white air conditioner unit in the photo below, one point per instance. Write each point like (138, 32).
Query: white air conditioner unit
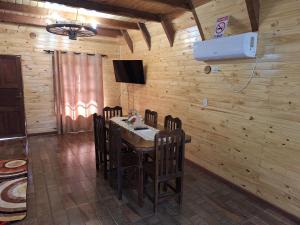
(231, 47)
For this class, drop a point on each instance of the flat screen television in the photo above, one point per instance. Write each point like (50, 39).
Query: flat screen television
(129, 71)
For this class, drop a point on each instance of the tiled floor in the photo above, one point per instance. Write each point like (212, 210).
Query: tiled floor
(64, 188)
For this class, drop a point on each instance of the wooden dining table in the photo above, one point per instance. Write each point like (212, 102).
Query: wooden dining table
(141, 147)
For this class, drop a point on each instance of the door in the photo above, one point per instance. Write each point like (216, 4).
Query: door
(12, 114)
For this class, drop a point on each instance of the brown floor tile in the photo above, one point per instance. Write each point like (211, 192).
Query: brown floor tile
(65, 188)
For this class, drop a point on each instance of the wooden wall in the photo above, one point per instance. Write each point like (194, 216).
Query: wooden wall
(250, 138)
(29, 42)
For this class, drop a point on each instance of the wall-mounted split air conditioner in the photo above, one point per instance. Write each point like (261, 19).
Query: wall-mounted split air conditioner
(231, 47)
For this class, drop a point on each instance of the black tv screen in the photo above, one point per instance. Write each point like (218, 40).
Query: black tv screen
(129, 71)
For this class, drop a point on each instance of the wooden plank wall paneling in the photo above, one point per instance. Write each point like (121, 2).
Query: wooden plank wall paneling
(29, 42)
(251, 138)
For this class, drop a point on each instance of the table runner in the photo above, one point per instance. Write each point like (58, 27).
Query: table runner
(147, 135)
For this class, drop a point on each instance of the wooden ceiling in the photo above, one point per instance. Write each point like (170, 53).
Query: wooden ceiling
(127, 14)
(123, 14)
(154, 6)
(146, 10)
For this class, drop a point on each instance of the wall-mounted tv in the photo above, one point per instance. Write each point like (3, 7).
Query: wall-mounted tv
(129, 71)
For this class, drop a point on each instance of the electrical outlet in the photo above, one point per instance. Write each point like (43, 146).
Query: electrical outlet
(205, 102)
(215, 69)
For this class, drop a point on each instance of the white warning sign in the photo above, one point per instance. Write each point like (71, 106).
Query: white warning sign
(221, 26)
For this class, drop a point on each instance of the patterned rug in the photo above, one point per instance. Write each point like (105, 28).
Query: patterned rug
(13, 187)
(13, 168)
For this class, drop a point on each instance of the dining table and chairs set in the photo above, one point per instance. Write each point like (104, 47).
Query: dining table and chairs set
(142, 155)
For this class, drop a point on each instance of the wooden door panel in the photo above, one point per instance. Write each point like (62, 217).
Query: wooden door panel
(10, 123)
(10, 97)
(12, 115)
(9, 74)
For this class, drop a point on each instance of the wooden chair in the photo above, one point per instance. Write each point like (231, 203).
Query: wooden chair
(120, 160)
(151, 118)
(100, 140)
(168, 166)
(109, 112)
(172, 123)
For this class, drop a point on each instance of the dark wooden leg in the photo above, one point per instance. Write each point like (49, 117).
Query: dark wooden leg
(156, 193)
(146, 159)
(101, 158)
(120, 178)
(141, 181)
(97, 159)
(111, 176)
(105, 164)
(145, 180)
(179, 189)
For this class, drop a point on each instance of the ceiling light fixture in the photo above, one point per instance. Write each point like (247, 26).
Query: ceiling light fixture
(72, 29)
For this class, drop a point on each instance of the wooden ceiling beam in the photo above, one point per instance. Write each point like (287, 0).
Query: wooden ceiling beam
(173, 3)
(190, 2)
(198, 3)
(253, 7)
(109, 23)
(110, 9)
(108, 32)
(37, 22)
(146, 34)
(128, 39)
(117, 24)
(22, 20)
(24, 8)
(169, 29)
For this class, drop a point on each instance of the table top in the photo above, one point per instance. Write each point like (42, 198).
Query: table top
(138, 143)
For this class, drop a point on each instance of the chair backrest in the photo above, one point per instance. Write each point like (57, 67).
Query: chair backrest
(169, 154)
(115, 145)
(109, 112)
(151, 118)
(172, 123)
(99, 132)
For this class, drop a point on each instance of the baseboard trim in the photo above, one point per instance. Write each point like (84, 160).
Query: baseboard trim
(292, 217)
(42, 134)
(12, 138)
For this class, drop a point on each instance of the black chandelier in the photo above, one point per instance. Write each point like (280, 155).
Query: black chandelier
(71, 29)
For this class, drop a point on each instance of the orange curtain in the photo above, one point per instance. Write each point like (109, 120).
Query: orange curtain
(78, 88)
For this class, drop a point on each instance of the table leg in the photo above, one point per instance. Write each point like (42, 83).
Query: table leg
(105, 163)
(141, 181)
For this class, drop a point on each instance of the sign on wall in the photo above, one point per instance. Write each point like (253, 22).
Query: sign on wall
(221, 26)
